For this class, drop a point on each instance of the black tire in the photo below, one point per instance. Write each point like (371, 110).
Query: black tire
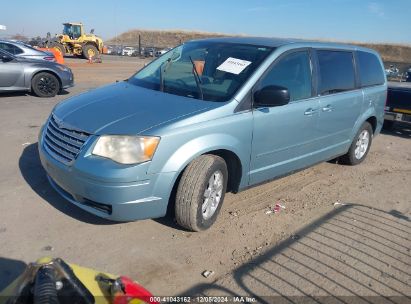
(90, 50)
(45, 84)
(191, 191)
(351, 158)
(59, 47)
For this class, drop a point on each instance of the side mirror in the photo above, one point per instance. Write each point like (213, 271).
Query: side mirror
(271, 96)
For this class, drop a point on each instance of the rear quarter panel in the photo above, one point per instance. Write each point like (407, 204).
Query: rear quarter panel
(373, 106)
(375, 98)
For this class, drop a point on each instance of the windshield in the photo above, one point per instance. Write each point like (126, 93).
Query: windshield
(212, 71)
(72, 30)
(67, 30)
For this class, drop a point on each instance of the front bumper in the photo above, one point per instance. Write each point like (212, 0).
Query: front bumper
(67, 80)
(109, 193)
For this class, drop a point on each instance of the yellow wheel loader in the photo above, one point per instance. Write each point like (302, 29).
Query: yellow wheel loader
(74, 41)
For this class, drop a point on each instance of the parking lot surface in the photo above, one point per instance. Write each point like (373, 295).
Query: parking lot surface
(358, 247)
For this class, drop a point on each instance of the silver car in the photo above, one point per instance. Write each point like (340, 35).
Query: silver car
(23, 50)
(44, 78)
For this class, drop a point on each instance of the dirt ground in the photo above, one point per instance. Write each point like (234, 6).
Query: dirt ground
(312, 249)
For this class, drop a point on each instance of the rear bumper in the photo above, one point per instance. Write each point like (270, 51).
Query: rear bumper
(393, 116)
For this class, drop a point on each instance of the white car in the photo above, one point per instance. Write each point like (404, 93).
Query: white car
(162, 52)
(128, 51)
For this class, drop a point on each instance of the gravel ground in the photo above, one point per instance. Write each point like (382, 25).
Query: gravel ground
(311, 250)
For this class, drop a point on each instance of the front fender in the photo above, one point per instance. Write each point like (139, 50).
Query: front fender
(29, 74)
(198, 146)
(190, 150)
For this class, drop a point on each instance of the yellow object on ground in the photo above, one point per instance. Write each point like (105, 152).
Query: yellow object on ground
(67, 280)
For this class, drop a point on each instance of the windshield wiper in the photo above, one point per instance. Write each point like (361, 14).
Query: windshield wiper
(163, 71)
(197, 79)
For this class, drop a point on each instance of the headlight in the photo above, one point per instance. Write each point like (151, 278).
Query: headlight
(126, 149)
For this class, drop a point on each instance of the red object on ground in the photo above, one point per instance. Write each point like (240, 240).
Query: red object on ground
(57, 55)
(132, 290)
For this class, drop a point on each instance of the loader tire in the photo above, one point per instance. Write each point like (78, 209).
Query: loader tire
(59, 47)
(90, 51)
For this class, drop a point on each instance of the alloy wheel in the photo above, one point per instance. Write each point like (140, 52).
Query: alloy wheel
(212, 194)
(47, 85)
(361, 145)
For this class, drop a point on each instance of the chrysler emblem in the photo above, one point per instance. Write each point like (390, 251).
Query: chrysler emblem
(58, 121)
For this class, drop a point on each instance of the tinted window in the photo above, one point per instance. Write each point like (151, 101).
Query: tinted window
(370, 69)
(12, 49)
(208, 70)
(292, 72)
(3, 54)
(336, 71)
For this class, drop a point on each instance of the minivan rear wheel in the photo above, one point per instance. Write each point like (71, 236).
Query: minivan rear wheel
(360, 146)
(201, 192)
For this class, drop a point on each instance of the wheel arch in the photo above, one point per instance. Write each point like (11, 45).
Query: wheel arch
(93, 43)
(232, 160)
(234, 168)
(368, 116)
(30, 84)
(235, 151)
(373, 122)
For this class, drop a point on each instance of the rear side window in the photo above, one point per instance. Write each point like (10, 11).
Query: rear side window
(336, 72)
(292, 72)
(370, 69)
(12, 49)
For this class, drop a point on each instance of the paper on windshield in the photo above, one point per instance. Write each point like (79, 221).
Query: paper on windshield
(233, 65)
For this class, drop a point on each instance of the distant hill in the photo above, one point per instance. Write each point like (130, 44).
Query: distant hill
(395, 53)
(159, 39)
(391, 52)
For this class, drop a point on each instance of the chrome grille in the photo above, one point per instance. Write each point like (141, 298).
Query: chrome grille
(61, 142)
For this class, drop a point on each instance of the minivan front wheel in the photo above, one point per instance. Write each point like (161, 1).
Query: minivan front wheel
(360, 146)
(201, 192)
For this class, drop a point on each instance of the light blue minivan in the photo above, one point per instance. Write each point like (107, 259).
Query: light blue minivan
(212, 116)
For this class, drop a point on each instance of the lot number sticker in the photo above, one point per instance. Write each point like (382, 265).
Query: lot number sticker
(234, 65)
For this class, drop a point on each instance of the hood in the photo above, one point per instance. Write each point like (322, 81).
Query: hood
(123, 108)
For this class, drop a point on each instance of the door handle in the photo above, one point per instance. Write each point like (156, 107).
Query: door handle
(310, 111)
(327, 108)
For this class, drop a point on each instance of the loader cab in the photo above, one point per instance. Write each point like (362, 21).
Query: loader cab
(74, 31)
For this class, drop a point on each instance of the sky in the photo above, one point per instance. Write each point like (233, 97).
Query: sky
(339, 20)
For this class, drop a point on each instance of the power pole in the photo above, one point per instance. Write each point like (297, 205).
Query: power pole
(139, 44)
